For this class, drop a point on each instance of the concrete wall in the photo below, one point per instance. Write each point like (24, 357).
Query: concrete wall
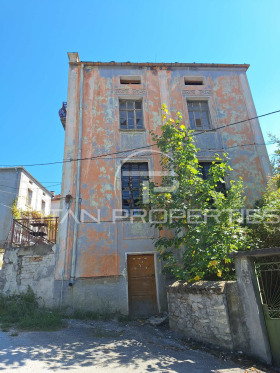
(9, 186)
(93, 108)
(55, 206)
(218, 314)
(257, 334)
(34, 267)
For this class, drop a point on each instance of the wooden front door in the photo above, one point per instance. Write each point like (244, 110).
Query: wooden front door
(141, 285)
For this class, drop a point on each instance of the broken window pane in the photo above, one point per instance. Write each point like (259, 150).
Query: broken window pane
(132, 184)
(131, 115)
(199, 115)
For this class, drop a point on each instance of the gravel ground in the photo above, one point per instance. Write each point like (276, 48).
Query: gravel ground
(111, 346)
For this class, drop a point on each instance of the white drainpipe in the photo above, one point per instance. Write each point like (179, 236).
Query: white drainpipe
(77, 197)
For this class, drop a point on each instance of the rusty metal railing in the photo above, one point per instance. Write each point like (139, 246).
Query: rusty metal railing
(62, 114)
(34, 231)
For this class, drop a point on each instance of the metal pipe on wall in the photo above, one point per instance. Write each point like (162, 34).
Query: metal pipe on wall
(77, 195)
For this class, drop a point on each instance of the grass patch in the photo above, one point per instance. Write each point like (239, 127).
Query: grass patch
(84, 315)
(23, 311)
(5, 327)
(124, 318)
(88, 315)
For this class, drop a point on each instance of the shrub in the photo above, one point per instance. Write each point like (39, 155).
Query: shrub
(22, 310)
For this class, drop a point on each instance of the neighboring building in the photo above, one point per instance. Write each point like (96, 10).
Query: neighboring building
(111, 107)
(16, 184)
(55, 205)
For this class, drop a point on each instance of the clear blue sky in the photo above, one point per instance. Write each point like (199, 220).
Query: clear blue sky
(36, 35)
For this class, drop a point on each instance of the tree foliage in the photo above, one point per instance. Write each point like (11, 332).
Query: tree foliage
(266, 220)
(203, 224)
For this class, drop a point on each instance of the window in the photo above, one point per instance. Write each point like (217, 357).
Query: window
(131, 115)
(43, 207)
(199, 115)
(133, 175)
(193, 80)
(29, 197)
(204, 171)
(130, 79)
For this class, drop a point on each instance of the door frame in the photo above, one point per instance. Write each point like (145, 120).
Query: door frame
(156, 274)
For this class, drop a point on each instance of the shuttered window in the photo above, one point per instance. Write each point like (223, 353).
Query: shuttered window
(199, 115)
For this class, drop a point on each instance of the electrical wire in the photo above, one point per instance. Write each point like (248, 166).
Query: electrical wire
(9, 207)
(138, 148)
(8, 186)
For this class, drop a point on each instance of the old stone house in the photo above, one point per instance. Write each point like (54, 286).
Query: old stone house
(103, 262)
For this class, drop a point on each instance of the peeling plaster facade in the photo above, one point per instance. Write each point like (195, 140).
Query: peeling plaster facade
(91, 257)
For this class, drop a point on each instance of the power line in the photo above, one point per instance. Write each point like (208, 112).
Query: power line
(9, 207)
(210, 149)
(200, 150)
(240, 121)
(8, 186)
(139, 148)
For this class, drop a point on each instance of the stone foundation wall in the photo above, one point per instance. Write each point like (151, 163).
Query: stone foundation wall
(200, 311)
(31, 266)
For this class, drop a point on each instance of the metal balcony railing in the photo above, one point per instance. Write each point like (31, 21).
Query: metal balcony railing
(34, 231)
(62, 114)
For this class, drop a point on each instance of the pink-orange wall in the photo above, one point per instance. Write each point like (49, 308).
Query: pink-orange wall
(101, 247)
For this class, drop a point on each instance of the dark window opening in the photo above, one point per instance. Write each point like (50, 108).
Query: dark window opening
(204, 171)
(133, 176)
(199, 115)
(193, 82)
(130, 79)
(125, 81)
(131, 115)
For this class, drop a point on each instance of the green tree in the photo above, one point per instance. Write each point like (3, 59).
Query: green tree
(266, 220)
(195, 244)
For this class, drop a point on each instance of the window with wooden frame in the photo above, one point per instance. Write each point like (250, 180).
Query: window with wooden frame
(131, 115)
(199, 115)
(133, 175)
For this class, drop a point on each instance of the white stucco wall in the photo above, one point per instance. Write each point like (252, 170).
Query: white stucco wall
(38, 195)
(55, 207)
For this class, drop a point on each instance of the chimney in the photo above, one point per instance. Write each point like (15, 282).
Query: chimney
(73, 57)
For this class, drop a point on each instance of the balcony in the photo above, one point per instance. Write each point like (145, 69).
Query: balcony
(34, 231)
(62, 114)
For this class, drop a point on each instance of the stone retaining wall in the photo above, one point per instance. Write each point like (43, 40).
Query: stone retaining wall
(201, 311)
(31, 266)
